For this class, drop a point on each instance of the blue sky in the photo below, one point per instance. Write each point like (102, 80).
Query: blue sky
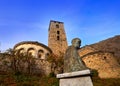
(28, 20)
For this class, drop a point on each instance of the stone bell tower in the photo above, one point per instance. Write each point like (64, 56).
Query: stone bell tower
(57, 40)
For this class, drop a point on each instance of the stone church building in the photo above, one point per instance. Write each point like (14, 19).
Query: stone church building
(103, 62)
(57, 43)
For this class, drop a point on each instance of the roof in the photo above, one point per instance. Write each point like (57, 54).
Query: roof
(33, 42)
(55, 21)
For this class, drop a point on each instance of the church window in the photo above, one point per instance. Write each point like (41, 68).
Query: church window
(21, 51)
(47, 54)
(40, 53)
(105, 57)
(57, 26)
(58, 38)
(30, 54)
(58, 32)
(31, 51)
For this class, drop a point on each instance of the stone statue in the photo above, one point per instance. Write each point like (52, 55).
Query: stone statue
(72, 60)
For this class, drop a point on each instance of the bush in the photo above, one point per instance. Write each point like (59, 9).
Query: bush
(94, 73)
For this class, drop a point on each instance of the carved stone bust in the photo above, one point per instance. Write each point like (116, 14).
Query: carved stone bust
(72, 60)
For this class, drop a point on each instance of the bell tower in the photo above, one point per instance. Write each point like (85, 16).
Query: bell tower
(57, 40)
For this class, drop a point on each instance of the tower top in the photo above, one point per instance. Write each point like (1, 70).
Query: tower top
(55, 21)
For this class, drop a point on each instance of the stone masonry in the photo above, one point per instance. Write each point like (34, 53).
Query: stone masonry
(104, 62)
(57, 40)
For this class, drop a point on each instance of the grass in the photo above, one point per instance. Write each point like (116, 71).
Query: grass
(19, 79)
(106, 82)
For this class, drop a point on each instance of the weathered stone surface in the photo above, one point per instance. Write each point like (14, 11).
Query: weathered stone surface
(5, 63)
(74, 74)
(79, 78)
(96, 59)
(78, 81)
(72, 60)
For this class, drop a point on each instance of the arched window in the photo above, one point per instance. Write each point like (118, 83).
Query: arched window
(21, 51)
(47, 54)
(58, 32)
(58, 37)
(57, 26)
(31, 51)
(40, 53)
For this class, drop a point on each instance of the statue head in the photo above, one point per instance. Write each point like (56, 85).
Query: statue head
(76, 42)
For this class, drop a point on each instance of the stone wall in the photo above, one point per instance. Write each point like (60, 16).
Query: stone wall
(104, 62)
(33, 66)
(5, 63)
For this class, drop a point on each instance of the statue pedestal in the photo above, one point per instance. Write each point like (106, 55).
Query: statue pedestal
(78, 78)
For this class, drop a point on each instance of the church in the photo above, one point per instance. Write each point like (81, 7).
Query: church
(57, 43)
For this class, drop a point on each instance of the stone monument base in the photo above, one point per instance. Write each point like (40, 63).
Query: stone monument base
(78, 78)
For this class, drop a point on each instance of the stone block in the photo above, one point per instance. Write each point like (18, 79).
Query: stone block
(79, 78)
